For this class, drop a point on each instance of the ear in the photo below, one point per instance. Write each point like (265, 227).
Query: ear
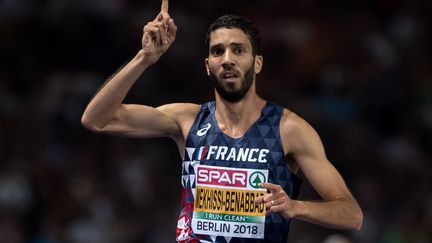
(258, 63)
(207, 66)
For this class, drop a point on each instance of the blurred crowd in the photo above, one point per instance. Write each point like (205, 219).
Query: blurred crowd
(359, 71)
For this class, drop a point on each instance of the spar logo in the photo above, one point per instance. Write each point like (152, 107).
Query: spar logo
(256, 178)
(222, 177)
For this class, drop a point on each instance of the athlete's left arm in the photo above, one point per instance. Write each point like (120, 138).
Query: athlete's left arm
(337, 209)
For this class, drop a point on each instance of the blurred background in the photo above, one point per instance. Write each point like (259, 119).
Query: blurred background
(359, 71)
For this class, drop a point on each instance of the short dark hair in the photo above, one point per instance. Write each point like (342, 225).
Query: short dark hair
(233, 21)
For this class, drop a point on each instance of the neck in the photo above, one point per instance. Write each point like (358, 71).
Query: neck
(234, 119)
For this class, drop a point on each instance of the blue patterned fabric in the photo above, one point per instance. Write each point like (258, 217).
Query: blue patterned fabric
(264, 135)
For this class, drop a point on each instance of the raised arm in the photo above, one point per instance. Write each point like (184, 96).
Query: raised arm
(106, 113)
(337, 209)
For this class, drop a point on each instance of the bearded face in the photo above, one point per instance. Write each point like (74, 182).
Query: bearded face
(231, 63)
(229, 91)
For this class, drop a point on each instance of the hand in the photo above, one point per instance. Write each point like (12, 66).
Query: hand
(158, 35)
(277, 201)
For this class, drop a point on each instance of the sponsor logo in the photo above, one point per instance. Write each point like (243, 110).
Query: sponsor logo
(204, 130)
(222, 177)
(256, 178)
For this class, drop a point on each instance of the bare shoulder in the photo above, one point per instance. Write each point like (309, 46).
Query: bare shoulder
(292, 124)
(296, 132)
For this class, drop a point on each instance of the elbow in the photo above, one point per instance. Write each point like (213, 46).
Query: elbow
(357, 220)
(353, 217)
(90, 124)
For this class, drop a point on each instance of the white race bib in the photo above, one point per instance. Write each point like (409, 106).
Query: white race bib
(224, 202)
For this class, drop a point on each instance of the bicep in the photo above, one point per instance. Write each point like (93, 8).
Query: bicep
(144, 121)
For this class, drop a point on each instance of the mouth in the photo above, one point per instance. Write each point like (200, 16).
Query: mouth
(230, 76)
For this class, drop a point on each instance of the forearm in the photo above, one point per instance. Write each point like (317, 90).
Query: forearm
(340, 213)
(105, 104)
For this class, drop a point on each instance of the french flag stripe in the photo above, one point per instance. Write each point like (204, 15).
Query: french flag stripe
(201, 153)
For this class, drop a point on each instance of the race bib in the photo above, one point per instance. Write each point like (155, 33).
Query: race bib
(224, 202)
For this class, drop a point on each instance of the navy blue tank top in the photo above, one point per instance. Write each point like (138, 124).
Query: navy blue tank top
(259, 148)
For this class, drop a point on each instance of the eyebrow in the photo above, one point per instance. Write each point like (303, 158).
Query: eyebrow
(236, 44)
(233, 44)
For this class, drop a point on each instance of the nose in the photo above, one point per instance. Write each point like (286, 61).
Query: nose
(228, 60)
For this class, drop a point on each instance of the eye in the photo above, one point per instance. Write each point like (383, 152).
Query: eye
(238, 50)
(217, 51)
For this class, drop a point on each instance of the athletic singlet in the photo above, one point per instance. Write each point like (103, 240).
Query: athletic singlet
(215, 171)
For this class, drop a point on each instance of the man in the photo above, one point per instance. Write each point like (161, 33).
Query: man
(238, 184)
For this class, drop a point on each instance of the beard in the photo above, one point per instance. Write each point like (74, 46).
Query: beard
(230, 93)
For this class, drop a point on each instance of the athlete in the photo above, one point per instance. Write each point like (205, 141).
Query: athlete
(240, 152)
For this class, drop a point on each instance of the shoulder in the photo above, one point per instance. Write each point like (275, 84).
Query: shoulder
(296, 132)
(291, 123)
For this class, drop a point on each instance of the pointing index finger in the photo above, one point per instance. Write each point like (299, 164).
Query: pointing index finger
(164, 6)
